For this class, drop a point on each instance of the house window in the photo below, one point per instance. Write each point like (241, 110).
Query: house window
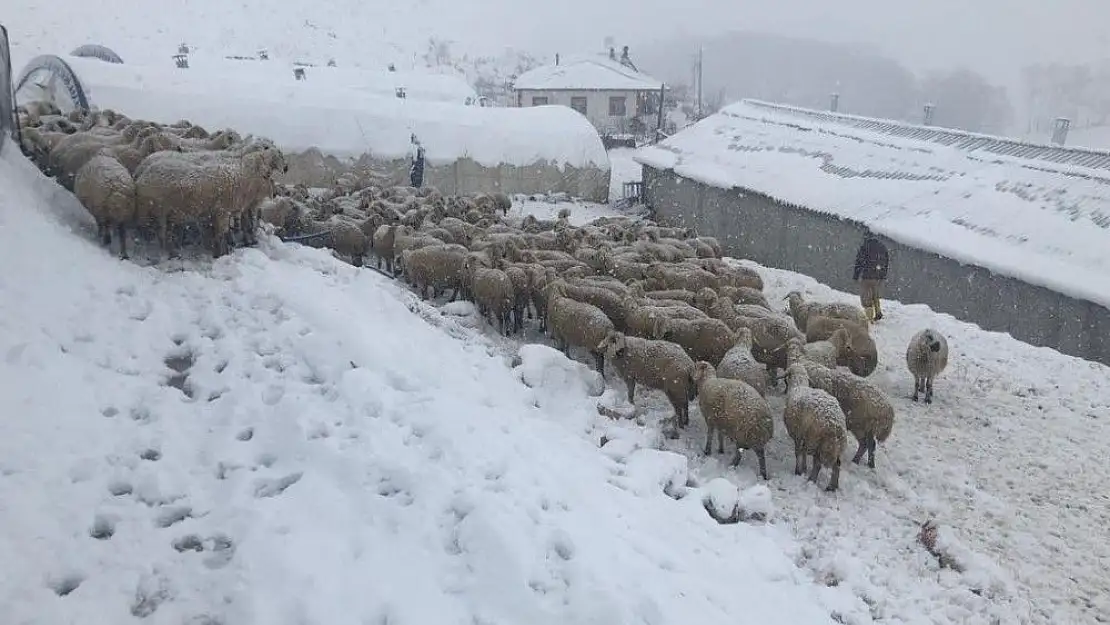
(578, 104)
(617, 106)
(539, 100)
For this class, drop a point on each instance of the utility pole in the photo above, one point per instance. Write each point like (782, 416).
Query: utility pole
(701, 54)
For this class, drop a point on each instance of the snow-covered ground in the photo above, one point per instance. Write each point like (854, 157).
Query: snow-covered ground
(275, 438)
(1008, 459)
(622, 169)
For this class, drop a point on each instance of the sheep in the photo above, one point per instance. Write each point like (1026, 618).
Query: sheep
(742, 295)
(347, 239)
(703, 339)
(815, 422)
(926, 358)
(736, 276)
(831, 352)
(640, 317)
(73, 151)
(861, 355)
(493, 293)
(280, 212)
(610, 303)
(680, 277)
(739, 364)
(436, 267)
(522, 294)
(802, 310)
(734, 410)
(502, 202)
(107, 191)
(381, 243)
(869, 415)
(210, 190)
(655, 364)
(573, 323)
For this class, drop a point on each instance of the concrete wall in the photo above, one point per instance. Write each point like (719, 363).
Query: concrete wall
(752, 225)
(597, 106)
(463, 177)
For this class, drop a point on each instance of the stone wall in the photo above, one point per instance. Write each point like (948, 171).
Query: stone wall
(755, 226)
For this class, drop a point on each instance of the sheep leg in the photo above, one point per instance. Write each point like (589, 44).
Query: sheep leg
(720, 441)
(631, 384)
(916, 387)
(121, 234)
(859, 452)
(709, 438)
(815, 472)
(799, 458)
(762, 455)
(739, 454)
(834, 478)
(871, 452)
(928, 390)
(356, 260)
(599, 359)
(104, 233)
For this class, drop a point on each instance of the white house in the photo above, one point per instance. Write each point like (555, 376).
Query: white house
(610, 94)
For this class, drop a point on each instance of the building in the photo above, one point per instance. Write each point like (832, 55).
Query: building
(1008, 235)
(616, 98)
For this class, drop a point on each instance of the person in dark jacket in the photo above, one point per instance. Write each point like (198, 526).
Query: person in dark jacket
(416, 172)
(872, 265)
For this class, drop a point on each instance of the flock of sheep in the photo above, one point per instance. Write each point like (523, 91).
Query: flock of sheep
(657, 303)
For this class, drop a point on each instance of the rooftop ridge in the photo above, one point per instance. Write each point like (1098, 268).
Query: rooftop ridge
(950, 137)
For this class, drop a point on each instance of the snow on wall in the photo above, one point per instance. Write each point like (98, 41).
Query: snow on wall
(344, 122)
(1043, 223)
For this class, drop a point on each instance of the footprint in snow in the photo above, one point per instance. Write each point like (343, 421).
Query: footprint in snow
(103, 527)
(245, 435)
(274, 487)
(65, 584)
(151, 592)
(173, 515)
(152, 455)
(180, 362)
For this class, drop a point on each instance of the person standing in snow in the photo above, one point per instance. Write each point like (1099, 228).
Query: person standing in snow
(416, 171)
(872, 264)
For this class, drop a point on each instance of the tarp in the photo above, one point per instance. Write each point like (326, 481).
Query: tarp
(8, 125)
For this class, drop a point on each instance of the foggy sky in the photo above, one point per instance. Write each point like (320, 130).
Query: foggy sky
(996, 37)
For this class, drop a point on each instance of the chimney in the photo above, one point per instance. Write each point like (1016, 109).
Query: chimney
(556, 58)
(834, 102)
(1060, 132)
(929, 108)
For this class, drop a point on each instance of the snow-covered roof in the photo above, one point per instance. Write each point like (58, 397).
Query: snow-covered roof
(586, 73)
(343, 122)
(425, 86)
(1039, 213)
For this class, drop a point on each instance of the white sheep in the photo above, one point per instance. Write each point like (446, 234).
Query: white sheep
(107, 190)
(815, 422)
(739, 363)
(868, 412)
(801, 310)
(660, 365)
(926, 358)
(571, 322)
(733, 410)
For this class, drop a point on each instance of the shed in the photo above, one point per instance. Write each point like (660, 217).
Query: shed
(328, 131)
(1006, 234)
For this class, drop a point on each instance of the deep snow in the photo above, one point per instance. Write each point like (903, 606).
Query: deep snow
(275, 438)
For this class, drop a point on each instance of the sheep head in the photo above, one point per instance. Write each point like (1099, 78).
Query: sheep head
(796, 376)
(744, 337)
(705, 298)
(703, 371)
(264, 162)
(613, 345)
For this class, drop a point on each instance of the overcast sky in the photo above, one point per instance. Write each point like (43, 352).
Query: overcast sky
(996, 37)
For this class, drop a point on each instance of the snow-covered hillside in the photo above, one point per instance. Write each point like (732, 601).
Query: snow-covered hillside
(276, 438)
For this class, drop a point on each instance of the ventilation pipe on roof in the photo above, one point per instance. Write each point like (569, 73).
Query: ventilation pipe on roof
(612, 54)
(834, 102)
(929, 108)
(556, 58)
(1060, 132)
